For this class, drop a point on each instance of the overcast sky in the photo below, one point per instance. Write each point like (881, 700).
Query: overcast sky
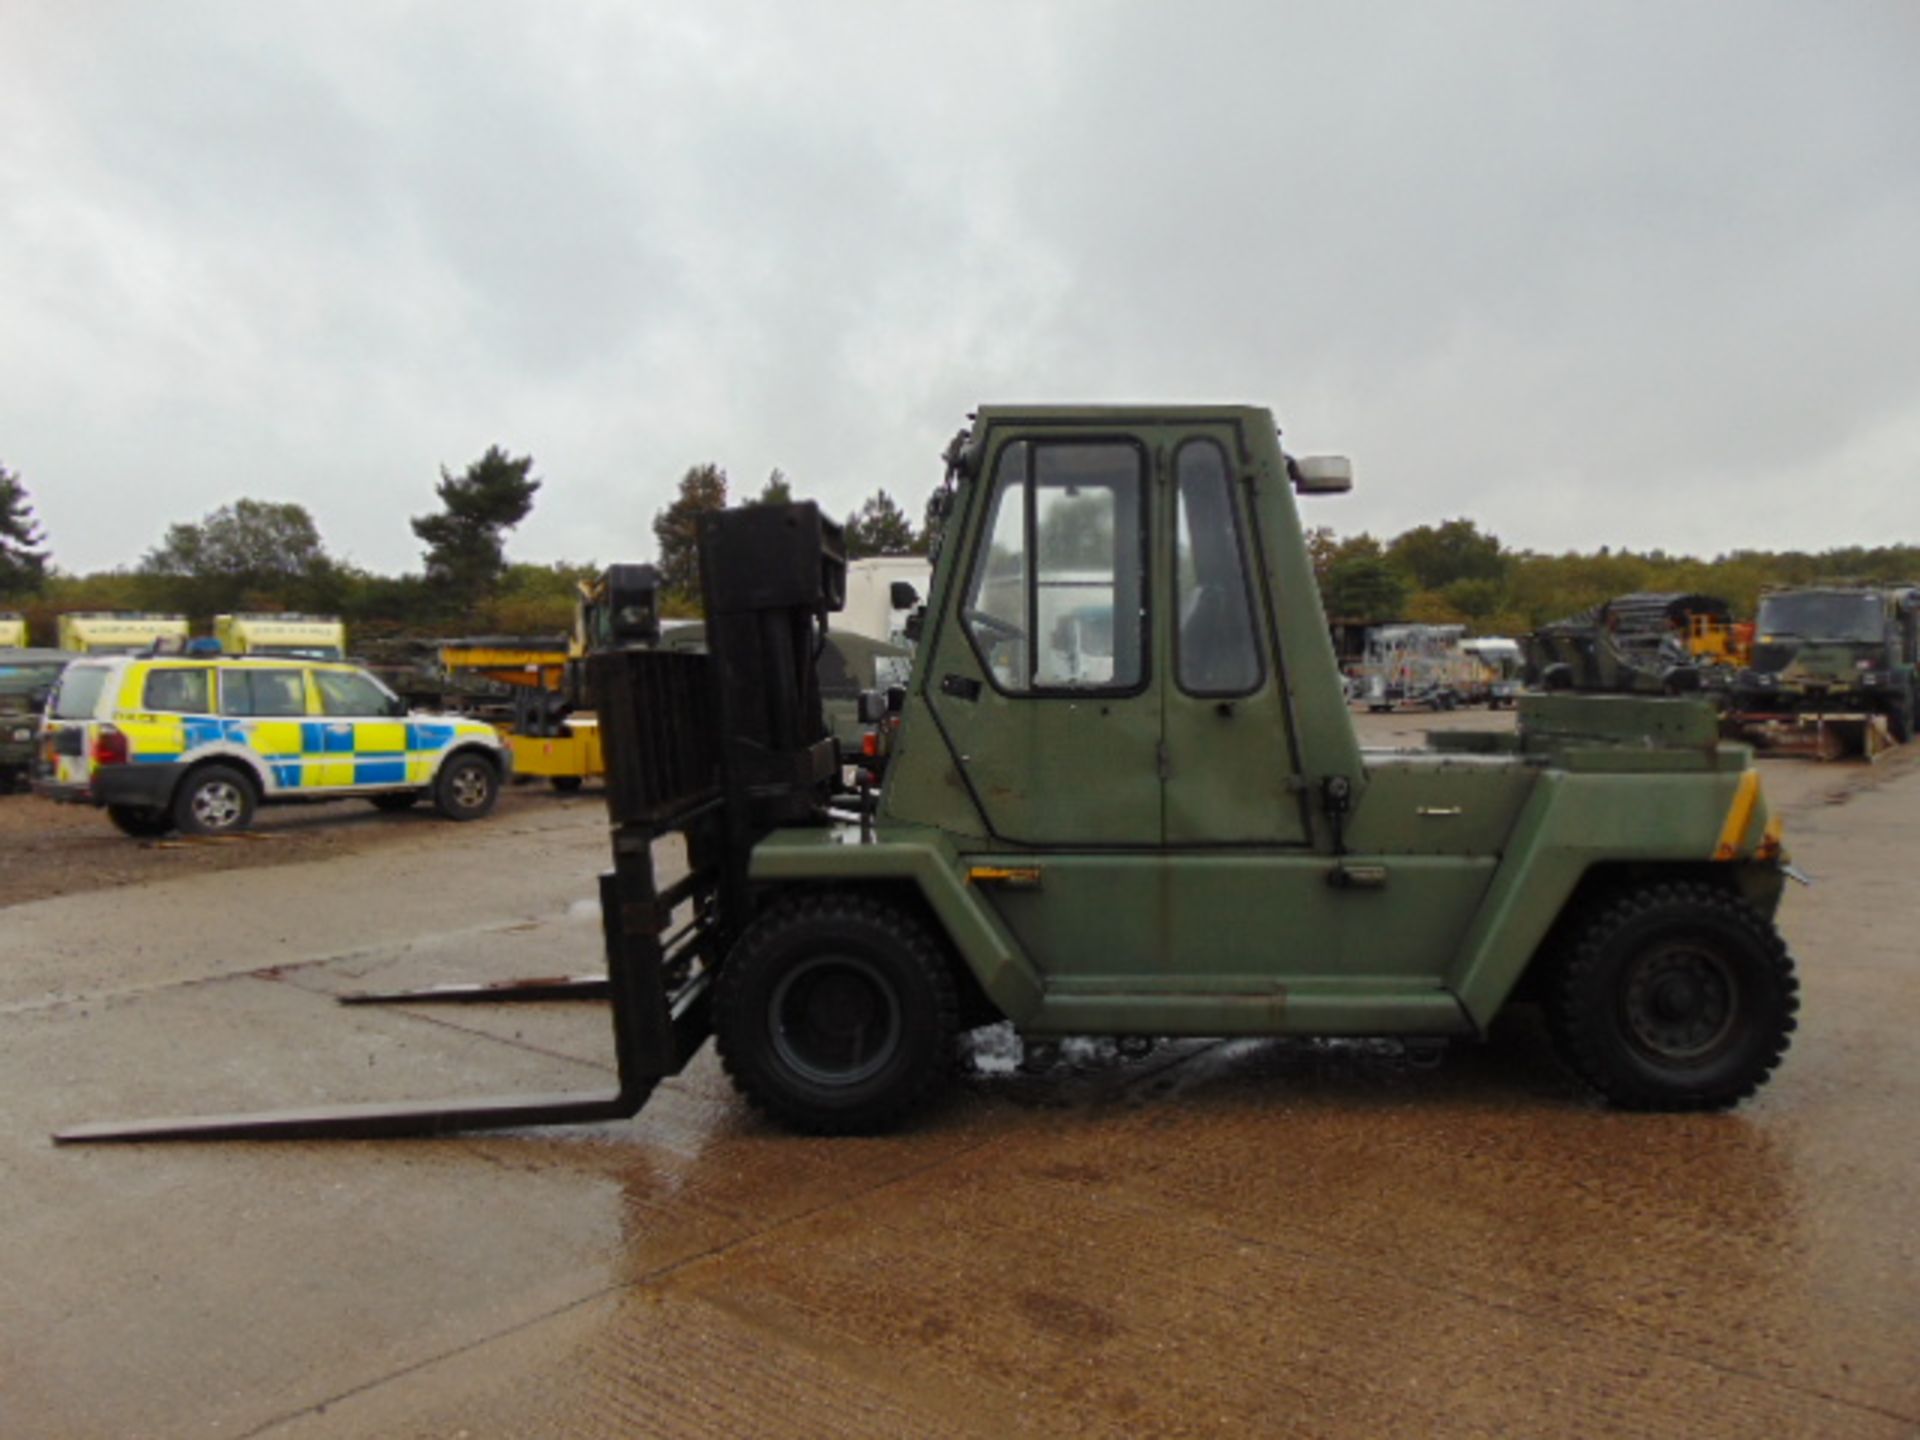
(1629, 274)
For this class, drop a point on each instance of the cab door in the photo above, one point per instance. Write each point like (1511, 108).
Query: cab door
(1044, 689)
(1232, 768)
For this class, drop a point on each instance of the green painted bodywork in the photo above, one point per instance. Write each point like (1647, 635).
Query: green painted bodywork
(1154, 862)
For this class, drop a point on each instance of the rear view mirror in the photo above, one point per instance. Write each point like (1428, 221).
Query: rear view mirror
(1321, 474)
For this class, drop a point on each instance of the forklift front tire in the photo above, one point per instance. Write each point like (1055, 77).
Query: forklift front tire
(836, 1014)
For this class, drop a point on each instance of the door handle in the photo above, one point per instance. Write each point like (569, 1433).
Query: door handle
(960, 686)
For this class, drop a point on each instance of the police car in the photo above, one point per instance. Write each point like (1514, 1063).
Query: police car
(196, 742)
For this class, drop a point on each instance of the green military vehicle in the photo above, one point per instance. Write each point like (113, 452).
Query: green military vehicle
(27, 676)
(1175, 835)
(1843, 652)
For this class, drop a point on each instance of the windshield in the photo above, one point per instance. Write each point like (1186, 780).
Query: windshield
(1812, 615)
(79, 692)
(18, 679)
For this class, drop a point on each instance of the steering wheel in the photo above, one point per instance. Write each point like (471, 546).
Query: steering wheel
(992, 626)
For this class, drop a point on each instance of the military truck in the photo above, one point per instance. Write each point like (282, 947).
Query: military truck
(1188, 841)
(1640, 644)
(27, 677)
(1840, 655)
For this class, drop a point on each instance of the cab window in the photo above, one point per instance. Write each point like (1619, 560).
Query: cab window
(181, 692)
(1214, 645)
(263, 693)
(348, 692)
(1057, 596)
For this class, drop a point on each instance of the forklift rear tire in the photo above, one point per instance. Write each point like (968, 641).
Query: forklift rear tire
(836, 1014)
(1674, 996)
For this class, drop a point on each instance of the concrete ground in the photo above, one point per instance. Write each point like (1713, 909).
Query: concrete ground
(1253, 1238)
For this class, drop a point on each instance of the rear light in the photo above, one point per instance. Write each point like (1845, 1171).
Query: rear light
(110, 747)
(870, 744)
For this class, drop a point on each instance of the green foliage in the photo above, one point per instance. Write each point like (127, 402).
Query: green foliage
(465, 554)
(881, 527)
(1435, 556)
(536, 599)
(23, 555)
(777, 490)
(676, 531)
(250, 555)
(1363, 587)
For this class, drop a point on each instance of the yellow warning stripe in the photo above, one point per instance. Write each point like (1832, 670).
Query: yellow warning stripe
(1739, 816)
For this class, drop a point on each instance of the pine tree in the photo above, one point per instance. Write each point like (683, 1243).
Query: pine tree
(676, 529)
(23, 555)
(465, 554)
(881, 527)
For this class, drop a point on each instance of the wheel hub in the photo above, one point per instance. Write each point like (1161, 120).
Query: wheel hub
(1681, 1000)
(834, 1020)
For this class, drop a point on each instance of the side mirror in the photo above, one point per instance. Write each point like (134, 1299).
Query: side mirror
(902, 596)
(871, 707)
(396, 707)
(916, 622)
(1321, 474)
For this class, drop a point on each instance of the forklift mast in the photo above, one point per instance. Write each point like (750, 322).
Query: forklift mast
(718, 748)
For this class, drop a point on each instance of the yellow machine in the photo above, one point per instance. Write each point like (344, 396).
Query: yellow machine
(1717, 640)
(118, 632)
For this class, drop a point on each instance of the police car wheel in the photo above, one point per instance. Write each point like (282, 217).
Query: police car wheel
(139, 823)
(214, 801)
(467, 788)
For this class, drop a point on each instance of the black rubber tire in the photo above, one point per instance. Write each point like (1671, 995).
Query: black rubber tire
(1715, 950)
(213, 800)
(1900, 719)
(398, 800)
(139, 823)
(804, 980)
(467, 787)
(565, 784)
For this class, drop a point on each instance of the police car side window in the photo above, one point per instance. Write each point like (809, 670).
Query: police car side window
(180, 692)
(344, 693)
(263, 693)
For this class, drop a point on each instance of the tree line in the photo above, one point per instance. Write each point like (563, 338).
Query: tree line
(263, 555)
(1456, 573)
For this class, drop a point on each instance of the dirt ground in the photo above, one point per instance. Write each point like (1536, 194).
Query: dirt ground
(48, 849)
(1243, 1238)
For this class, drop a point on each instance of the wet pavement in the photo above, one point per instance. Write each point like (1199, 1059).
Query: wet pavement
(1267, 1238)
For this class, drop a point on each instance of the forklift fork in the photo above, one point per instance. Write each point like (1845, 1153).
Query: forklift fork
(658, 990)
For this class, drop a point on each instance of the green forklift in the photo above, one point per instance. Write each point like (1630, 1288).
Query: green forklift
(1125, 798)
